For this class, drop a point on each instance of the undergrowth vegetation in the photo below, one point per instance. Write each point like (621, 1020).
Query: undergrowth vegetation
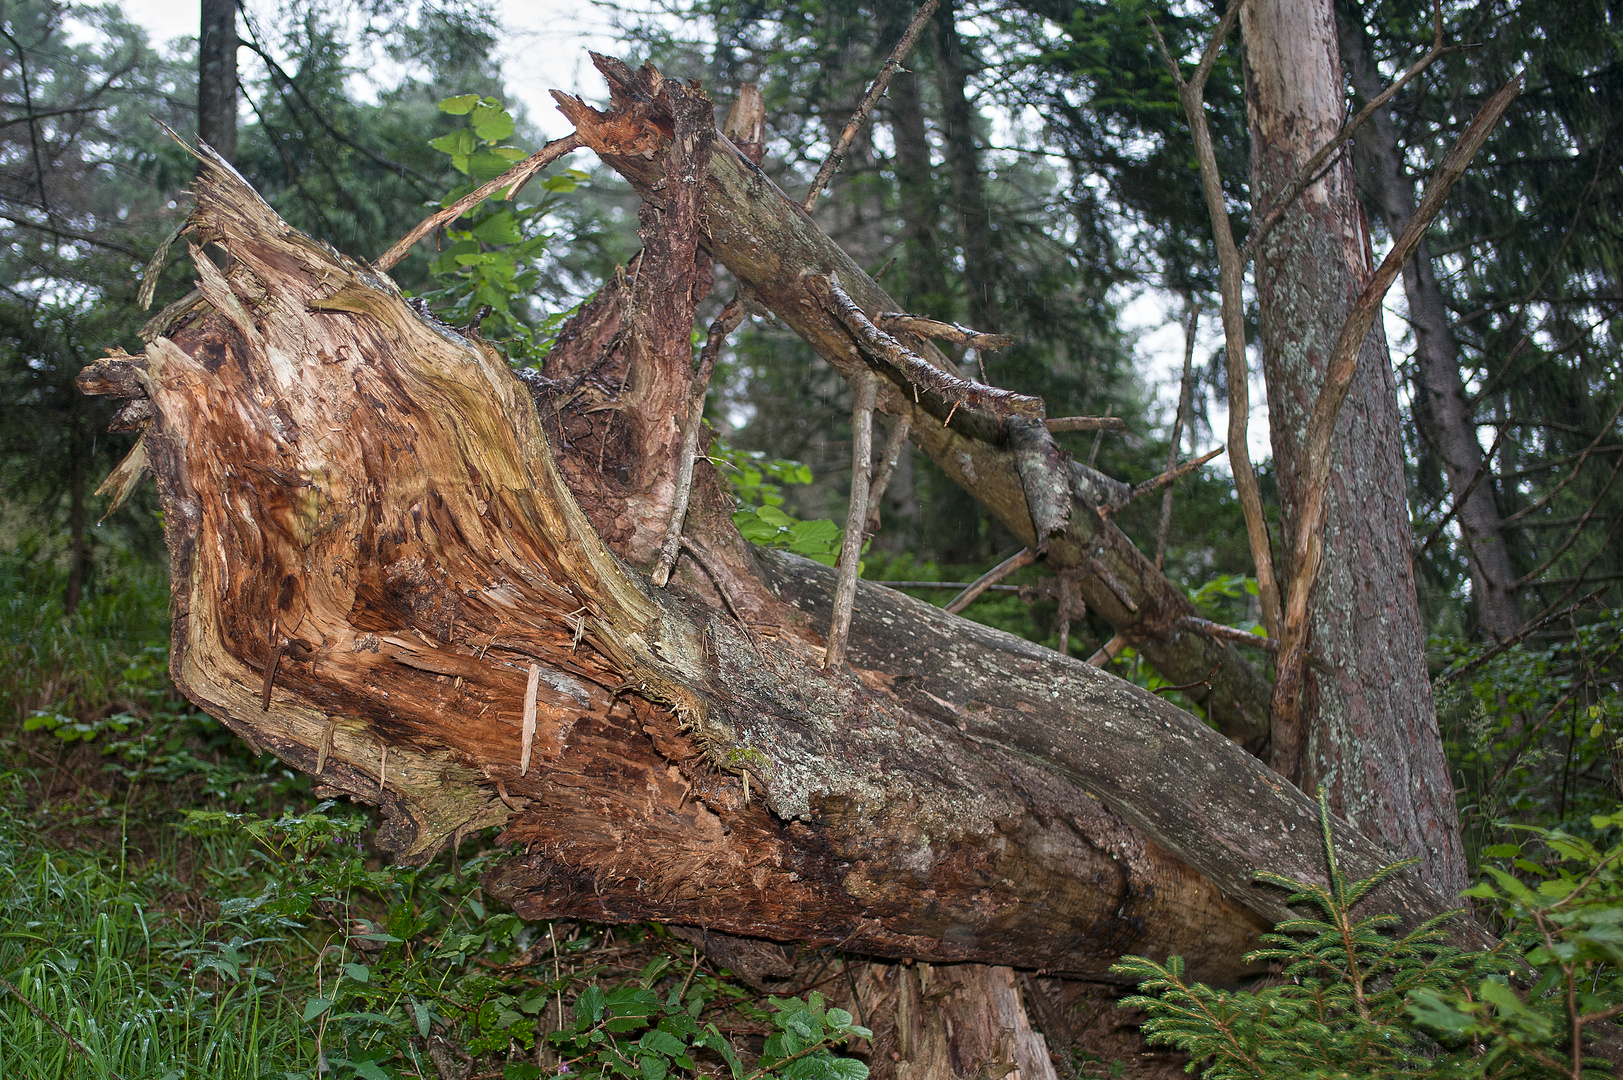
(172, 906)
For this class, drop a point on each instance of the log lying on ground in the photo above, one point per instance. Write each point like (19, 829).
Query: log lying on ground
(381, 576)
(775, 249)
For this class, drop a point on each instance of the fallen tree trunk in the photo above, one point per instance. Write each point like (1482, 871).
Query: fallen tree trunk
(382, 576)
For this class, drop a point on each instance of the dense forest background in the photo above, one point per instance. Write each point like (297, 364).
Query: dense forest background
(1029, 173)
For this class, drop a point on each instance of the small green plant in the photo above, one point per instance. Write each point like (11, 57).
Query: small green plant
(1560, 897)
(634, 1031)
(1338, 1001)
(757, 483)
(491, 263)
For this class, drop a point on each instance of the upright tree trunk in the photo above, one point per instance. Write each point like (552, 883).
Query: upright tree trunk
(1443, 416)
(217, 77)
(927, 290)
(964, 162)
(1372, 736)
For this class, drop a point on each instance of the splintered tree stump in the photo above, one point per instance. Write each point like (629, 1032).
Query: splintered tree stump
(387, 575)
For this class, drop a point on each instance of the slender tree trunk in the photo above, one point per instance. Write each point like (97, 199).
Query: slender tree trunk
(78, 543)
(927, 291)
(964, 163)
(217, 77)
(1444, 417)
(1371, 735)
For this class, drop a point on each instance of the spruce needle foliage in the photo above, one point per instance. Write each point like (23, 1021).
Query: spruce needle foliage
(1335, 1004)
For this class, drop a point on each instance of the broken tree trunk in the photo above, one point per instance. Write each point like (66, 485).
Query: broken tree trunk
(386, 574)
(780, 255)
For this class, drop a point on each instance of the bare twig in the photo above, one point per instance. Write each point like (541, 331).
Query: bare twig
(1177, 472)
(1544, 499)
(1072, 608)
(1465, 496)
(1023, 557)
(1339, 372)
(725, 323)
(854, 125)
(895, 443)
(866, 385)
(1227, 633)
(1186, 396)
(1057, 424)
(941, 331)
(945, 393)
(1577, 530)
(1555, 611)
(513, 179)
(1231, 273)
(1206, 682)
(1108, 652)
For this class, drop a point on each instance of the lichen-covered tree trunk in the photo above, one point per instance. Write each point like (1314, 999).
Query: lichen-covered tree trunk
(1443, 414)
(402, 569)
(1371, 725)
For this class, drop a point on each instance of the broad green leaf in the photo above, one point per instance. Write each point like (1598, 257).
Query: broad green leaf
(315, 1007)
(499, 228)
(491, 122)
(459, 106)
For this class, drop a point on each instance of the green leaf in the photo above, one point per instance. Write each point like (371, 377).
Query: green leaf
(458, 143)
(773, 516)
(847, 1068)
(359, 972)
(662, 1042)
(653, 1068)
(315, 1007)
(459, 106)
(499, 228)
(491, 123)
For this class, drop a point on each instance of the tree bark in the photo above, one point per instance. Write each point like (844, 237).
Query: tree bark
(217, 77)
(1444, 415)
(1370, 725)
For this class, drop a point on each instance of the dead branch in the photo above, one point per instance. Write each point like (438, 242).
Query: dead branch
(895, 443)
(941, 331)
(1058, 424)
(854, 125)
(768, 243)
(1186, 395)
(856, 517)
(724, 324)
(1231, 277)
(513, 180)
(1108, 652)
(1023, 557)
(982, 408)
